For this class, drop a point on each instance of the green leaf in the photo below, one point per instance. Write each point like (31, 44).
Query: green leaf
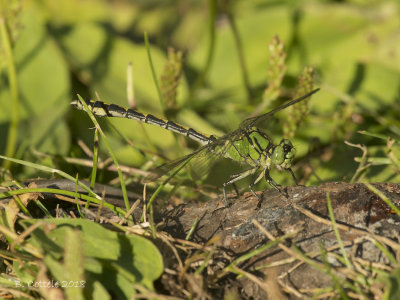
(37, 59)
(44, 86)
(76, 42)
(127, 259)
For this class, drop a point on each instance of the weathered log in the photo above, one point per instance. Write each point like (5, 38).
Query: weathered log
(362, 218)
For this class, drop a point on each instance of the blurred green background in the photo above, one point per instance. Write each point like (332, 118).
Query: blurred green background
(67, 47)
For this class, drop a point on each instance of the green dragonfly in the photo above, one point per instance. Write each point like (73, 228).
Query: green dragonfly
(247, 145)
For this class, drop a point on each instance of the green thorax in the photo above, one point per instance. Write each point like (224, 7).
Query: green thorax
(250, 148)
(255, 148)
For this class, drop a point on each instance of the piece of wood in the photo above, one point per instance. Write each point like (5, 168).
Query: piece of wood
(361, 216)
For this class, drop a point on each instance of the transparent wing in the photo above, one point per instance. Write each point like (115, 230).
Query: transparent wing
(250, 122)
(201, 160)
(168, 167)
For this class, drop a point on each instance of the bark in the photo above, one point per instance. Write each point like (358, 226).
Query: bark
(362, 218)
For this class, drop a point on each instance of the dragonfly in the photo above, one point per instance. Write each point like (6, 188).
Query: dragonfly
(247, 145)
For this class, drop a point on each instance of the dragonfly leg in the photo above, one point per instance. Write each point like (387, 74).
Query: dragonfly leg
(236, 189)
(274, 184)
(224, 192)
(253, 182)
(294, 177)
(271, 181)
(234, 178)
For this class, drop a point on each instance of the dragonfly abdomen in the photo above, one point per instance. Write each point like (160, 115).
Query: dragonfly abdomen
(101, 109)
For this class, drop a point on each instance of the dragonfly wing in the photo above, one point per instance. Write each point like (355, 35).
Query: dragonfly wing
(250, 122)
(168, 167)
(201, 160)
(202, 163)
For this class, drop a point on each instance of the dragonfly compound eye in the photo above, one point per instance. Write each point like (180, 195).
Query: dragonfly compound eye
(283, 154)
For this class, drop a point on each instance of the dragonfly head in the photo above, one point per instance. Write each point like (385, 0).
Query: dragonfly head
(283, 154)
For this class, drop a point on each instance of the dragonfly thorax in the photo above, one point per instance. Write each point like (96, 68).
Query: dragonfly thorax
(283, 154)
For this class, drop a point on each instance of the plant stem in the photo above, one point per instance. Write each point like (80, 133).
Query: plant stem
(240, 51)
(153, 72)
(12, 77)
(211, 47)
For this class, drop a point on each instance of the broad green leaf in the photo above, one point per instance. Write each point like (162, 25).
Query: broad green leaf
(76, 44)
(43, 83)
(42, 73)
(132, 256)
(67, 12)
